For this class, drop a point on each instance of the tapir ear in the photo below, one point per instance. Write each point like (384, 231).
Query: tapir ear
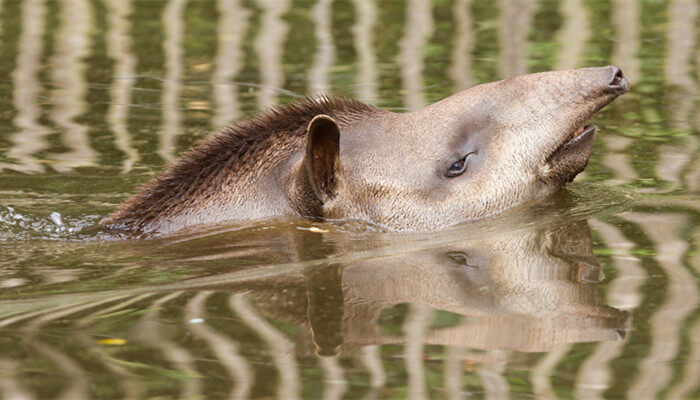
(322, 150)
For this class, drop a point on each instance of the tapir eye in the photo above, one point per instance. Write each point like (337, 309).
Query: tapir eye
(458, 167)
(460, 258)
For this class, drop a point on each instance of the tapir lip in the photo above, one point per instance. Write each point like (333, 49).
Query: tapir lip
(571, 157)
(585, 133)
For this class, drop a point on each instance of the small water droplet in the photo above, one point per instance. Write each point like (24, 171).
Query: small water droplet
(56, 218)
(196, 321)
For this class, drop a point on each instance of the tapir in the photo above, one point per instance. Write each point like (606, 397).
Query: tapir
(468, 156)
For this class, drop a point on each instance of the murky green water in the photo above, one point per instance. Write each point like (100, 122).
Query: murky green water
(592, 294)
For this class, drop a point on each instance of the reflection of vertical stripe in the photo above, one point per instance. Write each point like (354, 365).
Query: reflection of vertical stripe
(419, 26)
(174, 27)
(268, 45)
(61, 312)
(225, 349)
(672, 161)
(491, 375)
(594, 375)
(130, 385)
(14, 318)
(23, 316)
(617, 159)
(365, 18)
(325, 51)
(31, 137)
(541, 385)
(691, 372)
(626, 22)
(334, 382)
(666, 323)
(454, 359)
(282, 350)
(89, 319)
(9, 386)
(68, 73)
(414, 329)
(119, 49)
(573, 35)
(149, 331)
(233, 24)
(460, 70)
(372, 360)
(514, 26)
(78, 386)
(681, 43)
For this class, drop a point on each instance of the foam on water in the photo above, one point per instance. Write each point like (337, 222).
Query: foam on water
(16, 225)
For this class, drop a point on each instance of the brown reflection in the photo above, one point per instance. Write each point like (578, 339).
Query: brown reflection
(232, 27)
(31, 137)
(68, 73)
(530, 289)
(514, 26)
(119, 49)
(525, 291)
(325, 51)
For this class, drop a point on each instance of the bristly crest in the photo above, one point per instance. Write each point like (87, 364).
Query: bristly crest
(227, 156)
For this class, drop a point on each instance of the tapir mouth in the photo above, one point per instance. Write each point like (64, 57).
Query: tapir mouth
(572, 156)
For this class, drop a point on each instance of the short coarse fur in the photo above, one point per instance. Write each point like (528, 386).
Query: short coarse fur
(228, 157)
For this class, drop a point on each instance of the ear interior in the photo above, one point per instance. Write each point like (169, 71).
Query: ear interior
(322, 151)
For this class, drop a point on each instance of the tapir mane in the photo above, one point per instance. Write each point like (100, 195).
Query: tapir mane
(235, 154)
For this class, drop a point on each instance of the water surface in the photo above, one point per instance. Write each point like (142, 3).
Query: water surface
(592, 293)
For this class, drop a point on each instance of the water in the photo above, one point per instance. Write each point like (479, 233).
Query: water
(591, 294)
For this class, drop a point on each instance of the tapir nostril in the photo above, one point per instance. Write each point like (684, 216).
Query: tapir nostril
(617, 78)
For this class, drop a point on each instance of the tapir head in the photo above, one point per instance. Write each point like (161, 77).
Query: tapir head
(471, 155)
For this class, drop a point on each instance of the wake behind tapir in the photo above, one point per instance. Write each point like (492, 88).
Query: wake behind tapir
(468, 156)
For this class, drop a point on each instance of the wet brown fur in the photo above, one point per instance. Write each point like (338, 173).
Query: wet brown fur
(228, 158)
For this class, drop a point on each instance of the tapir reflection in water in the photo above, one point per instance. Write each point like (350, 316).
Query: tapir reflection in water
(527, 289)
(471, 155)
